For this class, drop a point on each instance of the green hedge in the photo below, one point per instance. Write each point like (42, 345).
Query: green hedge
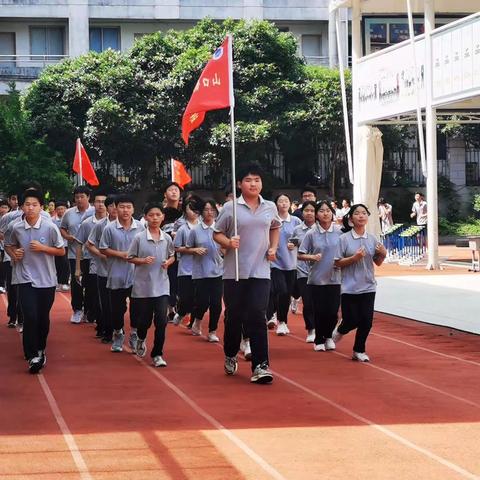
(470, 226)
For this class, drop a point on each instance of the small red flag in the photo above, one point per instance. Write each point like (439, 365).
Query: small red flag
(212, 91)
(179, 173)
(83, 166)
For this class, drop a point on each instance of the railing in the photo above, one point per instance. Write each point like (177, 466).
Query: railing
(26, 66)
(322, 61)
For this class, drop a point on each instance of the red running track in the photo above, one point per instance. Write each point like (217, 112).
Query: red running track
(413, 413)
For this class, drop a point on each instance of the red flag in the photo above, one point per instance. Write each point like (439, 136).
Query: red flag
(179, 173)
(212, 91)
(83, 166)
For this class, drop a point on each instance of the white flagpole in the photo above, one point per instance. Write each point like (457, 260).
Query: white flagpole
(172, 173)
(79, 153)
(232, 134)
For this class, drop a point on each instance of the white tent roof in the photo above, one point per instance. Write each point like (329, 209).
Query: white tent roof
(399, 6)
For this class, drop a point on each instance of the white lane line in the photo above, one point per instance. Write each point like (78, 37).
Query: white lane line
(67, 434)
(452, 357)
(407, 379)
(404, 441)
(255, 457)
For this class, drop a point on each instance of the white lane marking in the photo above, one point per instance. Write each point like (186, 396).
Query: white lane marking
(255, 457)
(67, 434)
(452, 357)
(404, 441)
(407, 379)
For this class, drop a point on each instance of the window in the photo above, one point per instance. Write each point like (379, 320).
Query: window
(102, 38)
(47, 41)
(7, 49)
(283, 29)
(312, 45)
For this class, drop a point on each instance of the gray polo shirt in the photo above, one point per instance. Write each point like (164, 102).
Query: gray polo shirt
(360, 276)
(303, 267)
(286, 259)
(151, 280)
(81, 237)
(94, 238)
(254, 230)
(114, 236)
(58, 221)
(318, 240)
(185, 260)
(209, 265)
(71, 223)
(37, 268)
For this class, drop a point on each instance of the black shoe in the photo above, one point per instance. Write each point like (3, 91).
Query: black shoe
(262, 374)
(107, 340)
(11, 323)
(35, 364)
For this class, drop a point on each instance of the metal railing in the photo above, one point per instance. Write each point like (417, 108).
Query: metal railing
(472, 167)
(26, 66)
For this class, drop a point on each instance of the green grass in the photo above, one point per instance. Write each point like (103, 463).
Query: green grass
(470, 226)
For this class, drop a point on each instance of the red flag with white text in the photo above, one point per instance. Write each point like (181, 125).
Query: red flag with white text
(179, 173)
(213, 90)
(83, 166)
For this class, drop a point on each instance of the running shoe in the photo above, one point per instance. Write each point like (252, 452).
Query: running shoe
(336, 335)
(329, 344)
(247, 351)
(310, 336)
(132, 341)
(158, 361)
(196, 330)
(282, 329)
(177, 319)
(35, 364)
(2, 290)
(118, 337)
(11, 323)
(212, 337)
(319, 347)
(231, 365)
(360, 357)
(20, 327)
(262, 374)
(76, 316)
(272, 323)
(65, 288)
(294, 305)
(141, 348)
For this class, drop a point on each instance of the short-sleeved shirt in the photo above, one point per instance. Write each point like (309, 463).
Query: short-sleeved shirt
(114, 236)
(318, 240)
(185, 260)
(71, 223)
(37, 268)
(101, 264)
(420, 210)
(303, 267)
(58, 221)
(209, 265)
(151, 280)
(254, 229)
(286, 259)
(81, 237)
(359, 277)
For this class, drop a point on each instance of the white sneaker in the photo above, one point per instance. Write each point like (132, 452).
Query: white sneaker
(132, 341)
(336, 336)
(319, 348)
(282, 329)
(141, 348)
(310, 336)
(360, 357)
(76, 316)
(294, 305)
(329, 344)
(212, 337)
(177, 319)
(272, 323)
(158, 361)
(196, 327)
(118, 338)
(20, 327)
(65, 288)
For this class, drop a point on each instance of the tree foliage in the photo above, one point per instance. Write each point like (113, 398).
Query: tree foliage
(26, 156)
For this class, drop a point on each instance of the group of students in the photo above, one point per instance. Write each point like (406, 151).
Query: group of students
(170, 264)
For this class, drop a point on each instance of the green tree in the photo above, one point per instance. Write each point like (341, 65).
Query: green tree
(26, 156)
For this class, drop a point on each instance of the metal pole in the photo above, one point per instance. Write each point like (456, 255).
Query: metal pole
(356, 54)
(431, 130)
(232, 135)
(421, 139)
(348, 145)
(79, 153)
(172, 172)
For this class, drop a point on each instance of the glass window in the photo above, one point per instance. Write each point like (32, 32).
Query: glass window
(311, 45)
(7, 47)
(378, 33)
(47, 41)
(102, 38)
